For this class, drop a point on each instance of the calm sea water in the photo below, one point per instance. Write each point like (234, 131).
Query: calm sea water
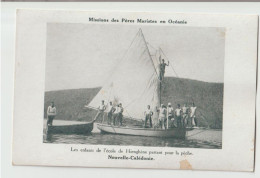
(210, 139)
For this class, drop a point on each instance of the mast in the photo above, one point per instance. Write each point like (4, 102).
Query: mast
(161, 78)
(160, 91)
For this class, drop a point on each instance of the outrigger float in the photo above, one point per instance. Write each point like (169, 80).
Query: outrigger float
(75, 128)
(136, 83)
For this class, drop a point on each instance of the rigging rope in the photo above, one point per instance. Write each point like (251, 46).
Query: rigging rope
(149, 53)
(169, 63)
(166, 58)
(150, 45)
(121, 58)
(196, 133)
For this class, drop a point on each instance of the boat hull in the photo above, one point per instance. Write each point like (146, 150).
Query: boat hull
(70, 129)
(147, 132)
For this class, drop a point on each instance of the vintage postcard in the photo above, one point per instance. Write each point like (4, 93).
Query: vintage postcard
(135, 90)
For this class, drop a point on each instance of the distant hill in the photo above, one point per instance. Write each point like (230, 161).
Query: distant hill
(208, 97)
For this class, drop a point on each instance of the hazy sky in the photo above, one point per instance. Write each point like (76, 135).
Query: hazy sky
(84, 55)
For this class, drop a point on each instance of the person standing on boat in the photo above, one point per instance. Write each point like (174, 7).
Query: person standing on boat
(101, 110)
(162, 116)
(193, 115)
(120, 114)
(162, 68)
(148, 116)
(178, 115)
(110, 110)
(170, 112)
(115, 114)
(51, 113)
(184, 115)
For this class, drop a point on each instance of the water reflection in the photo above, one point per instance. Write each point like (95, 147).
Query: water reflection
(207, 139)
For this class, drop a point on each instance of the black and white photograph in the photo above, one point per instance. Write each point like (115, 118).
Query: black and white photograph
(134, 85)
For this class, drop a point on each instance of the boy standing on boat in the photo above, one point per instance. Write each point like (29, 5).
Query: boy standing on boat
(184, 115)
(115, 114)
(120, 114)
(101, 110)
(193, 115)
(178, 115)
(170, 113)
(111, 110)
(162, 116)
(148, 116)
(51, 113)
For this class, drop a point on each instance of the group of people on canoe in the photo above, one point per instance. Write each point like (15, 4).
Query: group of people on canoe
(169, 117)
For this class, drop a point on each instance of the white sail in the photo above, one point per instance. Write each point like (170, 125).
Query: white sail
(134, 82)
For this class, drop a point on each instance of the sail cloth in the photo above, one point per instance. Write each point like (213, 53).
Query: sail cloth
(134, 82)
(156, 61)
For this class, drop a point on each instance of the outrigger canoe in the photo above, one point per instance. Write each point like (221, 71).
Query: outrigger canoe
(76, 128)
(147, 132)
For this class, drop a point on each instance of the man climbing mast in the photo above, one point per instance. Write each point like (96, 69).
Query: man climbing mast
(162, 68)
